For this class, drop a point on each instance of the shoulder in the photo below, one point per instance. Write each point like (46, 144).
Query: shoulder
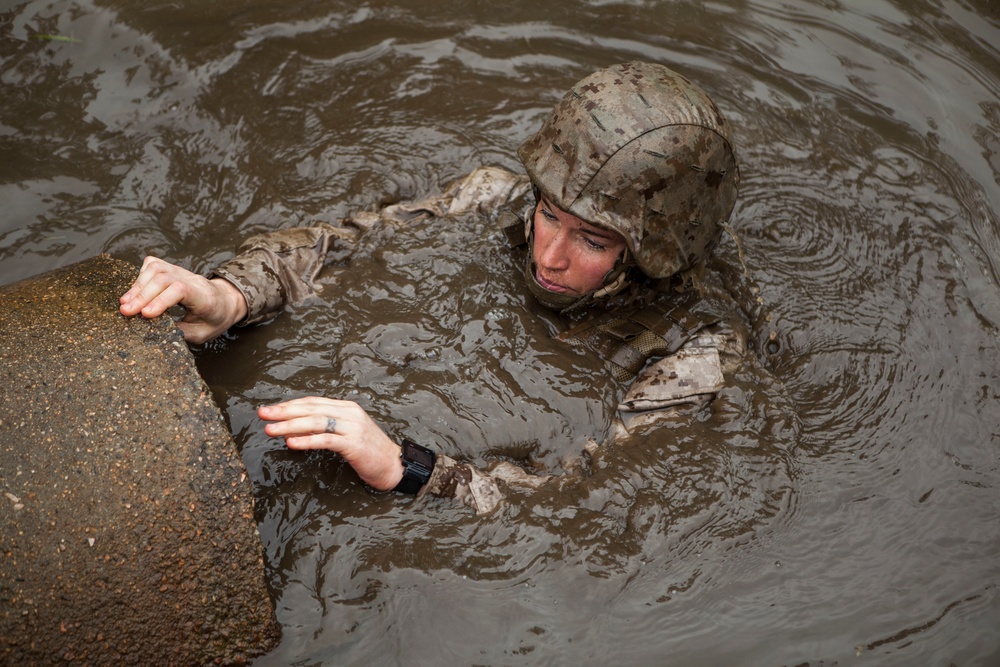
(483, 190)
(486, 188)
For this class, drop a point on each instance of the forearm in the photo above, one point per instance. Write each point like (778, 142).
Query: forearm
(484, 489)
(463, 482)
(276, 269)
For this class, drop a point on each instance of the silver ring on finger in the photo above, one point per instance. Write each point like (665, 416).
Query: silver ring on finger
(331, 425)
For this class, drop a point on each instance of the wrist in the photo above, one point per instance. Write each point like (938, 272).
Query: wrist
(236, 303)
(417, 463)
(395, 473)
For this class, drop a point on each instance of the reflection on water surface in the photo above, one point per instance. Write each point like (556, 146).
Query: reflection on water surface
(840, 500)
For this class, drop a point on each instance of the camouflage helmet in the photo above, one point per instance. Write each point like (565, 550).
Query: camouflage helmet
(639, 149)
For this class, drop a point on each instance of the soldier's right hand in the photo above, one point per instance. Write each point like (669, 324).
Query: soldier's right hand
(212, 305)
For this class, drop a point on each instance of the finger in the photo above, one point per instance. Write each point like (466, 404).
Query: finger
(195, 332)
(155, 277)
(310, 405)
(318, 441)
(159, 298)
(304, 426)
(130, 299)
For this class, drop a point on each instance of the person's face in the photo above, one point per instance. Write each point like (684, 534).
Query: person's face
(571, 256)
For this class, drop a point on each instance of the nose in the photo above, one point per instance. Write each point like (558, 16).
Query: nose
(552, 250)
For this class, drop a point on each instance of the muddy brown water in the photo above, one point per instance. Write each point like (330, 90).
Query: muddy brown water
(840, 504)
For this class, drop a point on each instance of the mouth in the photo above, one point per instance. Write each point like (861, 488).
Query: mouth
(549, 285)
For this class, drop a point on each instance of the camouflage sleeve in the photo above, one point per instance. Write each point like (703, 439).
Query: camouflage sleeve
(667, 387)
(463, 482)
(278, 268)
(684, 381)
(480, 490)
(484, 190)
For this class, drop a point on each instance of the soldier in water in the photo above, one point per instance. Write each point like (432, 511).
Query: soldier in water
(629, 184)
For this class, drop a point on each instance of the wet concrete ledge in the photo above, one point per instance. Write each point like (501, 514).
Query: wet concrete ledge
(127, 533)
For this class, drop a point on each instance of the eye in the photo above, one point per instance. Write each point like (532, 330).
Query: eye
(549, 215)
(593, 244)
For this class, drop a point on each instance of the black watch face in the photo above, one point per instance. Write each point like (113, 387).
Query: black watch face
(418, 455)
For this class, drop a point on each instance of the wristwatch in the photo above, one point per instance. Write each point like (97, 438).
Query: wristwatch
(418, 464)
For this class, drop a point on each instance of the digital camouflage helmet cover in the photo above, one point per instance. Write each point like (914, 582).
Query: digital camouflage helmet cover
(639, 149)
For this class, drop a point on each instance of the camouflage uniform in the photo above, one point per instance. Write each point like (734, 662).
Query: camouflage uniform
(636, 149)
(277, 268)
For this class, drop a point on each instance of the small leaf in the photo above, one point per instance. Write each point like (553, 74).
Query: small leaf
(57, 38)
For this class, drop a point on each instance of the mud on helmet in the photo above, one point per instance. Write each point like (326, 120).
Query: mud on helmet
(639, 149)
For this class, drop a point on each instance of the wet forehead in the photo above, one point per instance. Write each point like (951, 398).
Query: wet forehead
(589, 227)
